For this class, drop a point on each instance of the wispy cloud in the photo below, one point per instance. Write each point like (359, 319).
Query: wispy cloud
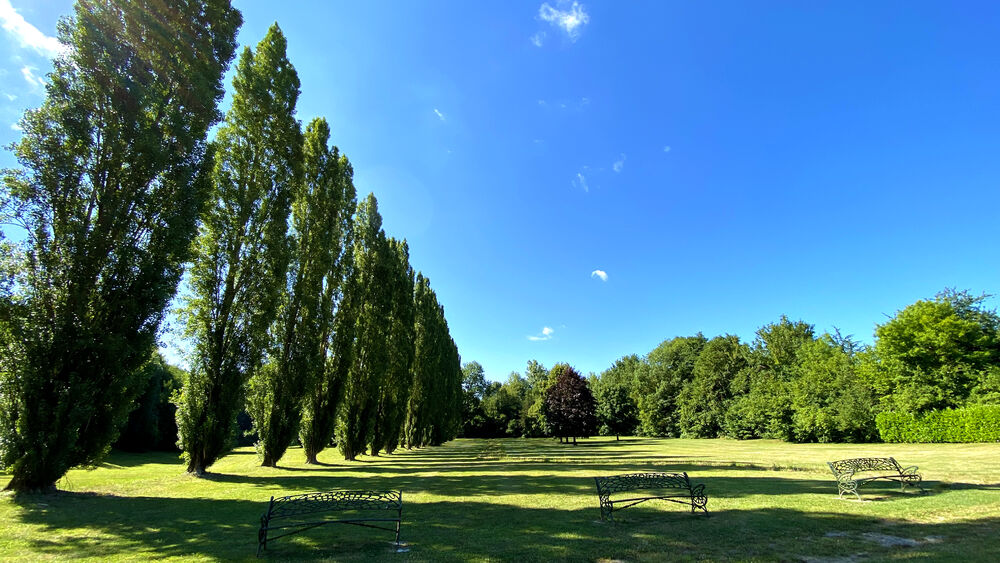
(570, 17)
(619, 164)
(10, 97)
(26, 34)
(439, 114)
(599, 274)
(538, 39)
(36, 82)
(15, 127)
(545, 335)
(581, 182)
(666, 148)
(566, 104)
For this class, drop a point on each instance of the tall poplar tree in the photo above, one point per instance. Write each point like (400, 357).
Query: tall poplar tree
(371, 297)
(114, 175)
(434, 410)
(325, 375)
(243, 249)
(303, 329)
(395, 391)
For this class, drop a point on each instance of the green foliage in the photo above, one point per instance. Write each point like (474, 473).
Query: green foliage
(151, 424)
(473, 390)
(113, 176)
(830, 401)
(242, 251)
(659, 380)
(370, 288)
(570, 408)
(762, 407)
(617, 413)
(395, 391)
(932, 354)
(703, 402)
(976, 423)
(322, 212)
(321, 206)
(532, 407)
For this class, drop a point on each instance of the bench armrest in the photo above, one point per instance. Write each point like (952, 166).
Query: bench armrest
(911, 470)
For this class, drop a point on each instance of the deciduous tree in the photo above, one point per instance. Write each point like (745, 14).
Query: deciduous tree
(322, 202)
(243, 249)
(114, 174)
(570, 408)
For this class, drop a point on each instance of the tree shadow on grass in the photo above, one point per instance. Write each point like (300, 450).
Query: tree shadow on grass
(142, 527)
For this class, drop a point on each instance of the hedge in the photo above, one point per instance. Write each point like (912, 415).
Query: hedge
(979, 423)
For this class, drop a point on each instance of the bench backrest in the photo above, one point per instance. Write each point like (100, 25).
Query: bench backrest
(633, 481)
(335, 500)
(863, 464)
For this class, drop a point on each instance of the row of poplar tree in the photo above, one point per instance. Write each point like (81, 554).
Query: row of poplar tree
(298, 307)
(937, 355)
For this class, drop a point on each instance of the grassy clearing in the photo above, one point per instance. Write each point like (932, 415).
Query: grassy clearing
(528, 500)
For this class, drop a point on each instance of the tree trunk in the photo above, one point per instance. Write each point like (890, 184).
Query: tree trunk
(20, 484)
(311, 458)
(196, 467)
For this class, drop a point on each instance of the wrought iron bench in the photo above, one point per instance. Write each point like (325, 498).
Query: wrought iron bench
(846, 470)
(298, 513)
(674, 487)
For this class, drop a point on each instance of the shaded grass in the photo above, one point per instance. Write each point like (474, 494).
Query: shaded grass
(527, 500)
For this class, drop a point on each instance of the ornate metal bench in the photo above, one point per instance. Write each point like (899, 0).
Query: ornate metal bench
(846, 470)
(674, 487)
(298, 513)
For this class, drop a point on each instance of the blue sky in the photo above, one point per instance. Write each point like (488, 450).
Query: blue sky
(720, 164)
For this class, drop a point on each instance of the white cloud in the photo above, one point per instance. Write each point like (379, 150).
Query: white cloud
(10, 97)
(599, 274)
(26, 34)
(571, 20)
(439, 114)
(538, 39)
(15, 127)
(619, 164)
(581, 182)
(545, 335)
(666, 148)
(36, 82)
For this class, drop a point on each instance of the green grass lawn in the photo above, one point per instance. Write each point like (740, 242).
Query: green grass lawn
(528, 500)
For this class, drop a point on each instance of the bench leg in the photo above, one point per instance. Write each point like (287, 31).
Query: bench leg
(848, 487)
(261, 540)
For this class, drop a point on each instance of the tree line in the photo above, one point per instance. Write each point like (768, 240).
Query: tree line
(789, 383)
(300, 310)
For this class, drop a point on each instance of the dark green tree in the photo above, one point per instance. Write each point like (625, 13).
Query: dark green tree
(243, 249)
(371, 288)
(434, 410)
(659, 380)
(395, 391)
(324, 375)
(570, 408)
(532, 415)
(761, 405)
(617, 413)
(704, 400)
(151, 424)
(113, 176)
(320, 207)
(830, 401)
(473, 391)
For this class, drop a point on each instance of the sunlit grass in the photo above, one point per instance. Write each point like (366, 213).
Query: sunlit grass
(527, 500)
